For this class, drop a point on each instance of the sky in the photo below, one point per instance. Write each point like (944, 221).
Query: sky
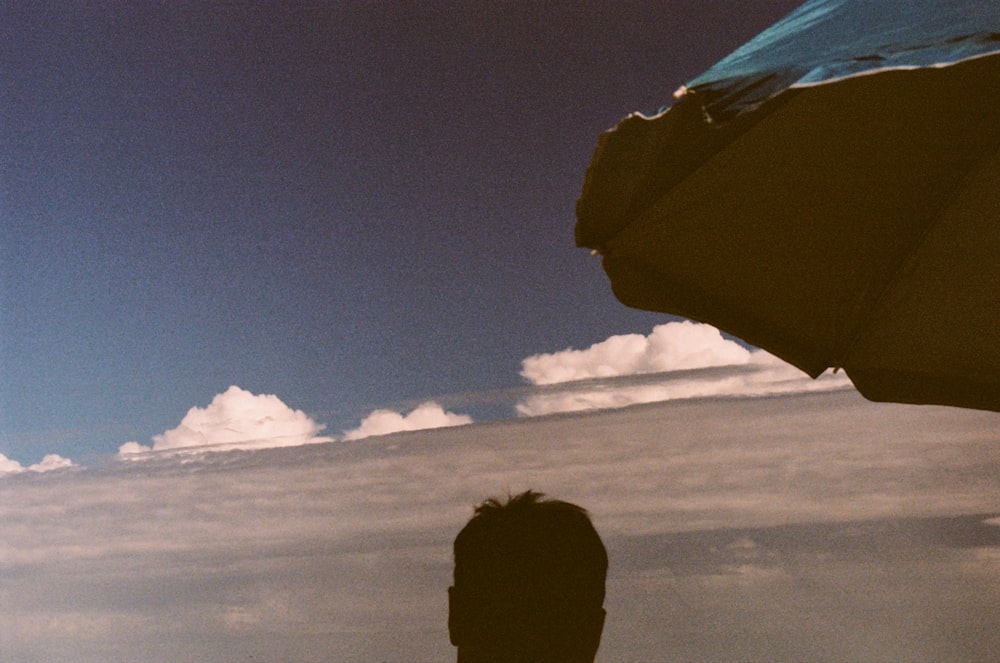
(357, 208)
(793, 527)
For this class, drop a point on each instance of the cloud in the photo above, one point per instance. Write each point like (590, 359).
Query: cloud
(236, 419)
(51, 462)
(131, 448)
(343, 552)
(47, 464)
(8, 466)
(426, 415)
(677, 360)
(762, 376)
(674, 346)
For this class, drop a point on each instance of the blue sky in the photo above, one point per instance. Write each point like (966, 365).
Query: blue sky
(349, 205)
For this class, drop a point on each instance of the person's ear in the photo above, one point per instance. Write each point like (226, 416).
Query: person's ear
(456, 618)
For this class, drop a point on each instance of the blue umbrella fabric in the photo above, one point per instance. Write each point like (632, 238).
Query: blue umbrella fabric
(829, 192)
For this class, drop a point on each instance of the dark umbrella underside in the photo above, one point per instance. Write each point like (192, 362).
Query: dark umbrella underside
(864, 237)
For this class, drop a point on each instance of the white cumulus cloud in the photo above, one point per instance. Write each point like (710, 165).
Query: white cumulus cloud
(48, 463)
(51, 462)
(8, 466)
(695, 361)
(426, 415)
(236, 419)
(674, 346)
(130, 448)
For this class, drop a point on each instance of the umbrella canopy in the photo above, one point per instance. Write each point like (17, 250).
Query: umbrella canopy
(829, 192)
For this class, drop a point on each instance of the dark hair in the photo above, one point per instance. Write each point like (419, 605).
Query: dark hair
(529, 574)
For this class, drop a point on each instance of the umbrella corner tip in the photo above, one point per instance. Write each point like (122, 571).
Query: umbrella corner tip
(680, 92)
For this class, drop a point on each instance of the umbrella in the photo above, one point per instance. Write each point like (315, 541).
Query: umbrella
(829, 192)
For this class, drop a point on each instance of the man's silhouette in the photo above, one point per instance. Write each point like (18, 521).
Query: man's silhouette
(529, 584)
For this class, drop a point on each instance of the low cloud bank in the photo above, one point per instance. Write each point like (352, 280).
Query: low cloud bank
(231, 560)
(426, 415)
(47, 464)
(746, 381)
(677, 350)
(236, 419)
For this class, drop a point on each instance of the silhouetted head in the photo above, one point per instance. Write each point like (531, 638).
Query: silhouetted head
(529, 584)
